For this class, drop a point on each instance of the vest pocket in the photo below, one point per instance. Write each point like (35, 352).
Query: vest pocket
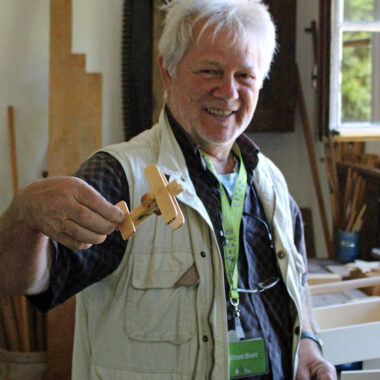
(160, 307)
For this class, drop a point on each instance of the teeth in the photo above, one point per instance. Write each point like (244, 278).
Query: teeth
(218, 112)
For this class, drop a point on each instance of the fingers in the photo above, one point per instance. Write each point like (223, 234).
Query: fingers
(71, 234)
(79, 233)
(69, 211)
(89, 197)
(325, 371)
(71, 243)
(90, 220)
(311, 364)
(303, 373)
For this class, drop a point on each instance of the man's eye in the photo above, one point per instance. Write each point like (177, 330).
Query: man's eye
(246, 77)
(208, 73)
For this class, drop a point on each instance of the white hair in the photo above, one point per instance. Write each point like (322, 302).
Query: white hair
(248, 22)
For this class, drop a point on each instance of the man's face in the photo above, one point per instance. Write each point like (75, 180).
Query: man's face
(215, 90)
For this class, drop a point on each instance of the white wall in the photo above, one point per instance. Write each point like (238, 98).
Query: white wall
(24, 37)
(24, 68)
(97, 33)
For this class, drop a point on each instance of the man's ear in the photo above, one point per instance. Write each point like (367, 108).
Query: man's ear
(164, 74)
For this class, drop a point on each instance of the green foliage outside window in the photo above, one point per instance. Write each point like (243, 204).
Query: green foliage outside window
(359, 10)
(356, 77)
(357, 63)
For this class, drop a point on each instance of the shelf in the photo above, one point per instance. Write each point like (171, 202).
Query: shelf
(370, 172)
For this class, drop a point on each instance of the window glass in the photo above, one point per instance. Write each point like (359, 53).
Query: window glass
(360, 11)
(355, 66)
(356, 87)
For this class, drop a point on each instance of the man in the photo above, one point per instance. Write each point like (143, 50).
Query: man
(220, 298)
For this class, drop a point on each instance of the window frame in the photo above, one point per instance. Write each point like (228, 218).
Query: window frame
(352, 131)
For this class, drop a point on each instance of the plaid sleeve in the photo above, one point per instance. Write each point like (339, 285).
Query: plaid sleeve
(75, 270)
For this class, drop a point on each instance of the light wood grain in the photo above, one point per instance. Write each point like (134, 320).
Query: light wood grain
(75, 130)
(341, 286)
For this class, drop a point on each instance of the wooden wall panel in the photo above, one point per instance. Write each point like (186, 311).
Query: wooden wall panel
(75, 130)
(275, 110)
(75, 117)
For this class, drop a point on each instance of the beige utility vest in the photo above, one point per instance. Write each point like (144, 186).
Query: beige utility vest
(135, 323)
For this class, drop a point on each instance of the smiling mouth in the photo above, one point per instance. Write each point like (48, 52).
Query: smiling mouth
(219, 112)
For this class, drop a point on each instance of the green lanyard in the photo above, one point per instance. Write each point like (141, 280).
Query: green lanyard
(231, 218)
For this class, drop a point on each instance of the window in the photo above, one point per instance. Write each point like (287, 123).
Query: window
(355, 68)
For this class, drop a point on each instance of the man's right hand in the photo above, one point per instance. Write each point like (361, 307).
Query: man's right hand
(67, 210)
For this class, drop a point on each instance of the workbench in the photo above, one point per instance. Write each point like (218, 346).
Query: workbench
(318, 300)
(349, 325)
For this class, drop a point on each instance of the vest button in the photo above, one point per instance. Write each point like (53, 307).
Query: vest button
(205, 338)
(281, 254)
(203, 254)
(297, 330)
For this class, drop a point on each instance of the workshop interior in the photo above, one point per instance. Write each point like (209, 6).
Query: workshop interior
(77, 75)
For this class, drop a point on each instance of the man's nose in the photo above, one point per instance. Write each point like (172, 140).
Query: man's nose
(227, 88)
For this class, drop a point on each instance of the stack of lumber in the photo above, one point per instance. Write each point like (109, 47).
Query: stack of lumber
(365, 269)
(22, 328)
(348, 205)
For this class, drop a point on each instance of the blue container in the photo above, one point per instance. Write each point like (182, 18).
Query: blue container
(347, 246)
(356, 366)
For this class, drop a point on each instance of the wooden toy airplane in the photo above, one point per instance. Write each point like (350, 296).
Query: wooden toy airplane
(161, 200)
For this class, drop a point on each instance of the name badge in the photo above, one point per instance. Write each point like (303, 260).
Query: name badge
(247, 358)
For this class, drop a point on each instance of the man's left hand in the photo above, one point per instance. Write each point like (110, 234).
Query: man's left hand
(312, 365)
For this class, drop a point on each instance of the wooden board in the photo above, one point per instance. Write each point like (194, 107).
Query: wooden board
(322, 278)
(370, 232)
(60, 339)
(158, 183)
(75, 130)
(342, 270)
(75, 109)
(277, 101)
(357, 323)
(360, 375)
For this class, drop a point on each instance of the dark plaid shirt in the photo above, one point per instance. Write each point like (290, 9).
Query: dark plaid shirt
(271, 311)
